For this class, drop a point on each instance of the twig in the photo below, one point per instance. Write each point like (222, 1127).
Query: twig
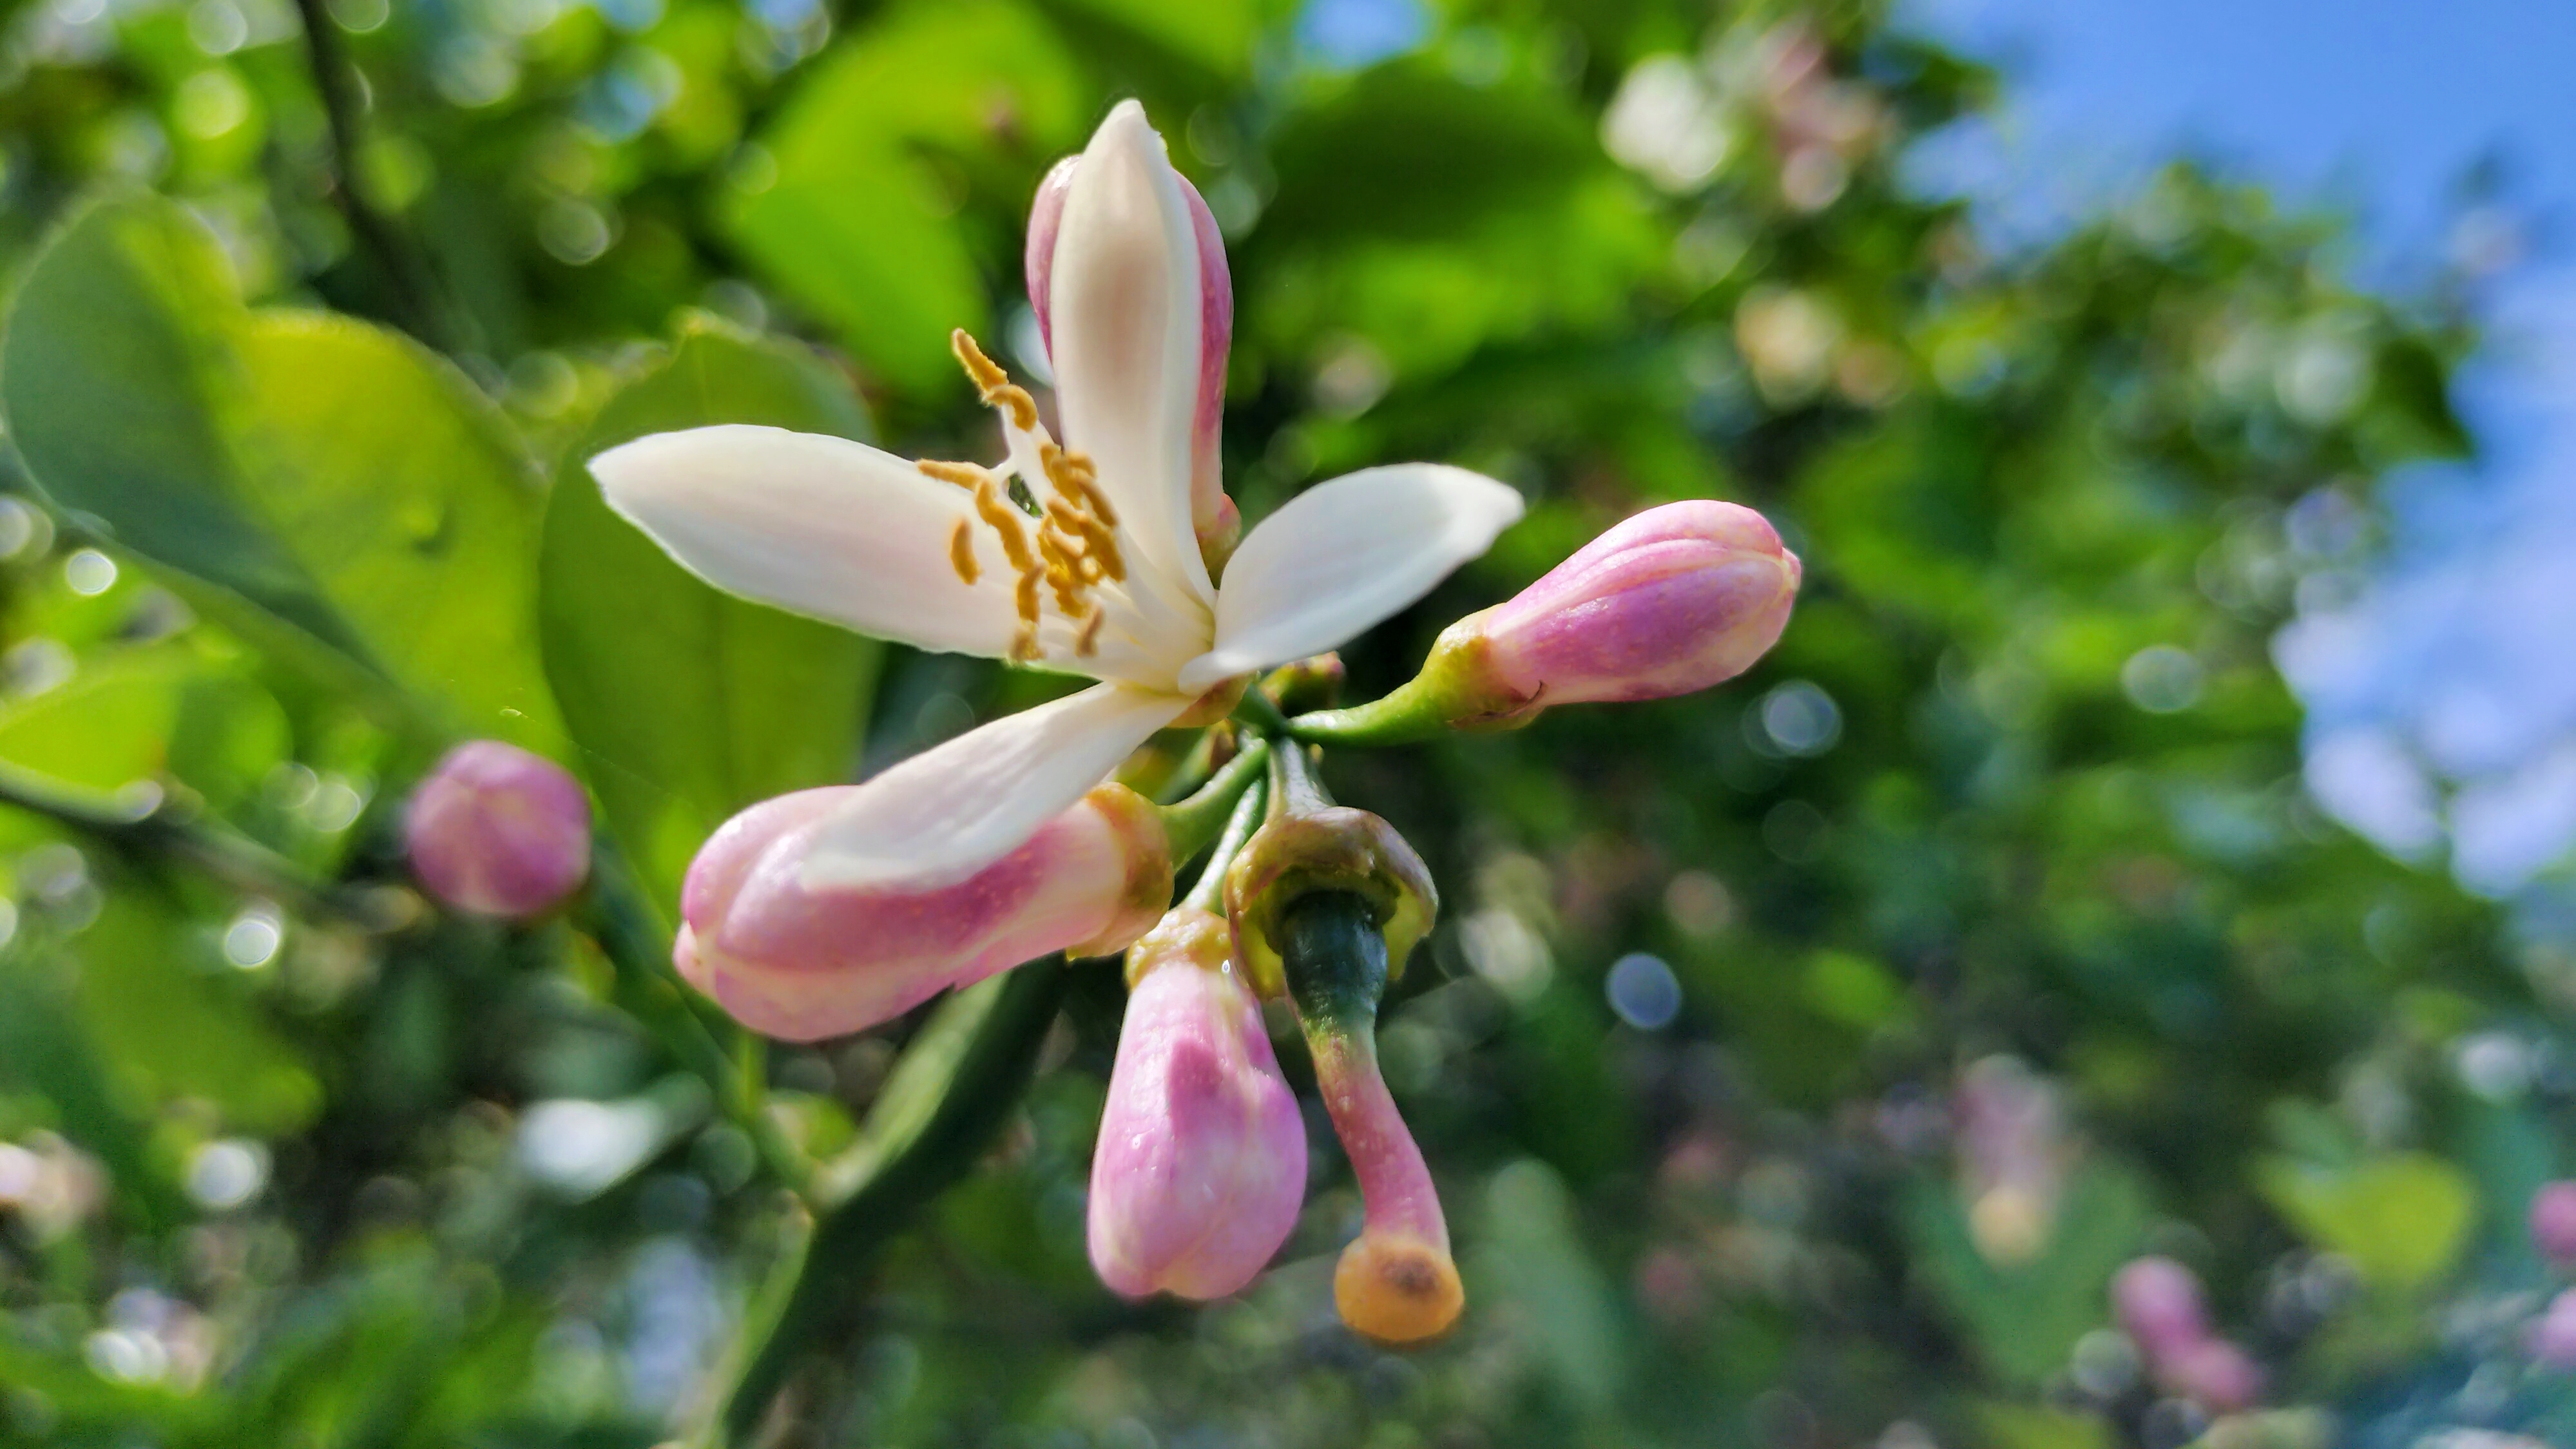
(947, 1100)
(158, 828)
(407, 272)
(650, 990)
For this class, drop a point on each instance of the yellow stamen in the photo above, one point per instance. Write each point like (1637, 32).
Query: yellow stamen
(992, 383)
(1104, 549)
(1062, 573)
(1004, 520)
(961, 551)
(1087, 643)
(964, 475)
(1028, 597)
(1024, 645)
(1074, 475)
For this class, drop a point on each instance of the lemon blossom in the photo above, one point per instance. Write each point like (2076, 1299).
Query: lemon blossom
(1094, 568)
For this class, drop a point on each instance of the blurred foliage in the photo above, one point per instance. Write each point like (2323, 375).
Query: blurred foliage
(296, 405)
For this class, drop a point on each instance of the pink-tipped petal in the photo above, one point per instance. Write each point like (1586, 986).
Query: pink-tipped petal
(497, 831)
(799, 962)
(1671, 601)
(1125, 327)
(1046, 218)
(1201, 1164)
(1212, 513)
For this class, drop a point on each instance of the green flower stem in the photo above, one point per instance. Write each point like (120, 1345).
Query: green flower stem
(1295, 788)
(1261, 713)
(1209, 893)
(1414, 712)
(944, 1104)
(614, 914)
(1193, 824)
(237, 861)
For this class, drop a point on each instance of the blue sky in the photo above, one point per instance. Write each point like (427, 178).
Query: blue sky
(2442, 701)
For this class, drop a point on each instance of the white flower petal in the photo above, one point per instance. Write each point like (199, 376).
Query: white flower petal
(818, 525)
(1127, 315)
(949, 812)
(1344, 555)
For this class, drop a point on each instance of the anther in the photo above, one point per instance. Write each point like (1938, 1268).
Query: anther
(964, 475)
(992, 383)
(961, 551)
(1087, 643)
(1028, 597)
(1024, 645)
(990, 507)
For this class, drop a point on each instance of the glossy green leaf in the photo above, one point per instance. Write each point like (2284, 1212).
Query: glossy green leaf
(686, 704)
(853, 225)
(129, 718)
(2402, 1218)
(310, 479)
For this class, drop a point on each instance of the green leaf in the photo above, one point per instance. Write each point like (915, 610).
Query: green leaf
(854, 226)
(2029, 1426)
(687, 704)
(2402, 1218)
(133, 716)
(1533, 1256)
(149, 980)
(1411, 151)
(1215, 35)
(311, 480)
(2026, 1316)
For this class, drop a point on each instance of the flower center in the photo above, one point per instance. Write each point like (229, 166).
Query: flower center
(1062, 544)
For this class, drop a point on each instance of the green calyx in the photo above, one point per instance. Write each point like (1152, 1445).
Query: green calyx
(1454, 690)
(1311, 846)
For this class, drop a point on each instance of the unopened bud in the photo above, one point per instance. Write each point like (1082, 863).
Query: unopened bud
(1314, 682)
(1674, 600)
(2215, 1374)
(801, 963)
(497, 831)
(1201, 1164)
(2550, 1339)
(2158, 1304)
(2553, 1222)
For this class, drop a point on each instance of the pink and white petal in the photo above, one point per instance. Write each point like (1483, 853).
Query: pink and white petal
(1126, 318)
(816, 525)
(1343, 556)
(946, 813)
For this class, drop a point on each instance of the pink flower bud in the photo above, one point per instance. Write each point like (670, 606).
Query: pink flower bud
(2215, 1374)
(1212, 513)
(2550, 1339)
(2158, 1304)
(1674, 600)
(802, 964)
(2553, 1222)
(499, 832)
(1202, 1158)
